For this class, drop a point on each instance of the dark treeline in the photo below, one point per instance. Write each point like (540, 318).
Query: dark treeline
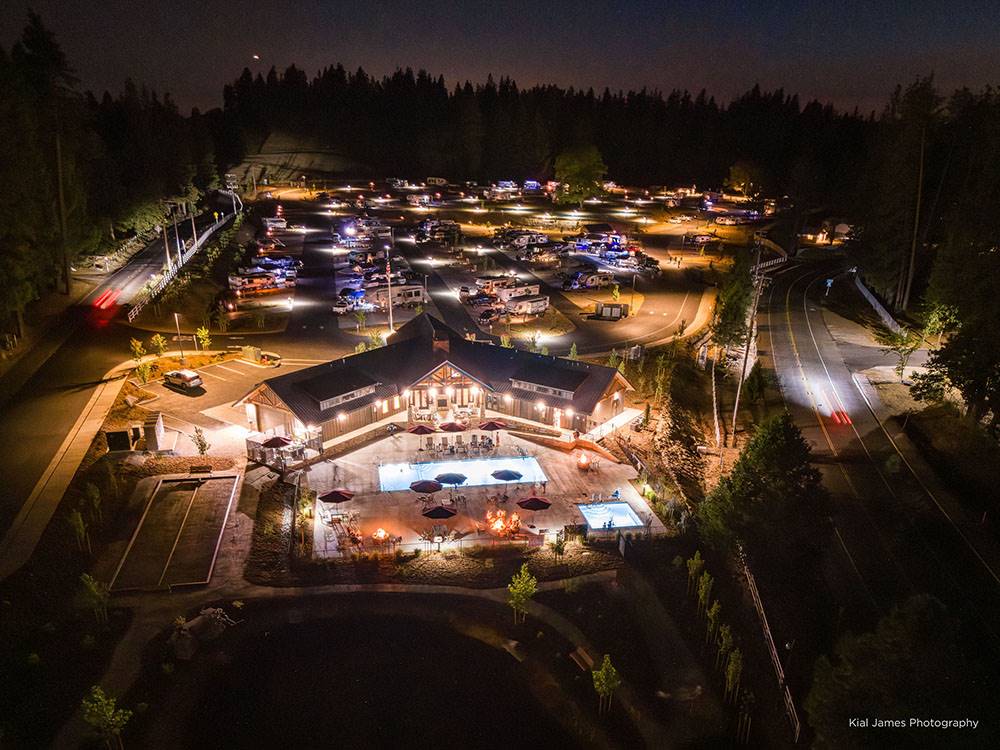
(414, 125)
(118, 159)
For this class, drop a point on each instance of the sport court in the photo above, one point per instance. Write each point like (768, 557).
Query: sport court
(179, 534)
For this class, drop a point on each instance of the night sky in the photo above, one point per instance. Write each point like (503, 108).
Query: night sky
(850, 53)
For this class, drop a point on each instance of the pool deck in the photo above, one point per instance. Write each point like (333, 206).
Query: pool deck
(400, 512)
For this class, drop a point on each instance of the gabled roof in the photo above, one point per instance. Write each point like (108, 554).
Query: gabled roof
(411, 355)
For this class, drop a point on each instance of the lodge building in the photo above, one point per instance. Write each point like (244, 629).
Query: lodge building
(430, 372)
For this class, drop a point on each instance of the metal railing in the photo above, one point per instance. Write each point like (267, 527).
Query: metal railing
(793, 715)
(768, 264)
(148, 294)
(887, 320)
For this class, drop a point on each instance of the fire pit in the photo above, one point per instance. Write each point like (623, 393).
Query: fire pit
(583, 461)
(501, 524)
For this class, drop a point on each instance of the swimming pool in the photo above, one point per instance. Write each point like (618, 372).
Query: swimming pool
(620, 515)
(393, 477)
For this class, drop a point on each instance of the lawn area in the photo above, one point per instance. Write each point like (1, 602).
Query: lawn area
(374, 671)
(551, 323)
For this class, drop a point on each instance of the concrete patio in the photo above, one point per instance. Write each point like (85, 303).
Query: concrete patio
(400, 513)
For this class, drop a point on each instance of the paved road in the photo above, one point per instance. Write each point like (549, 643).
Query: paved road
(892, 535)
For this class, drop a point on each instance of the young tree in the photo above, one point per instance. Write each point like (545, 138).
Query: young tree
(97, 594)
(362, 317)
(901, 344)
(616, 293)
(92, 499)
(712, 621)
(137, 350)
(204, 337)
(734, 671)
(705, 584)
(505, 341)
(101, 712)
(724, 644)
(79, 525)
(558, 546)
(579, 173)
(572, 352)
(606, 682)
(201, 443)
(158, 343)
(695, 564)
(376, 339)
(729, 327)
(521, 589)
(143, 371)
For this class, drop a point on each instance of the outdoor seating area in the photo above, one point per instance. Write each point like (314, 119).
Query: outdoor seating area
(394, 494)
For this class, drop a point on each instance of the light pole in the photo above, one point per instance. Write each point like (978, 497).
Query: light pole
(631, 304)
(180, 341)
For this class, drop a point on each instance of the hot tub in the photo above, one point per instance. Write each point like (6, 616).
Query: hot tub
(607, 516)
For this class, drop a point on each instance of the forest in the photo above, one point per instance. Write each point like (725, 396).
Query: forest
(918, 181)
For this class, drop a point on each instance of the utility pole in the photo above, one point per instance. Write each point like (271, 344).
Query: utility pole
(758, 280)
(166, 249)
(916, 223)
(180, 341)
(177, 239)
(62, 207)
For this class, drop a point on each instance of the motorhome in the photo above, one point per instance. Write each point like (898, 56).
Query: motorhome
(255, 281)
(436, 181)
(403, 295)
(532, 305)
(506, 294)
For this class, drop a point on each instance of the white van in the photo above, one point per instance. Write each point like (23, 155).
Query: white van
(275, 222)
(533, 305)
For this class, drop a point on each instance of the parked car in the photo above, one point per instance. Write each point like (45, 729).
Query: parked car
(489, 315)
(341, 306)
(185, 380)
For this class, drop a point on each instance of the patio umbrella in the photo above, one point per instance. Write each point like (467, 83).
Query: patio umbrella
(421, 429)
(278, 441)
(451, 477)
(425, 486)
(439, 511)
(507, 475)
(534, 503)
(453, 427)
(493, 425)
(336, 495)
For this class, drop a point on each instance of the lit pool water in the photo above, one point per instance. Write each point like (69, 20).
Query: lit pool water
(393, 477)
(620, 515)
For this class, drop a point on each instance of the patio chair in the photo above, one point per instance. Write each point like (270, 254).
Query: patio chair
(430, 443)
(459, 440)
(474, 441)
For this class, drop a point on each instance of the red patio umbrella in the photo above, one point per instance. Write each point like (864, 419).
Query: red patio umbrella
(453, 427)
(425, 486)
(336, 495)
(439, 511)
(534, 503)
(421, 429)
(278, 441)
(492, 425)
